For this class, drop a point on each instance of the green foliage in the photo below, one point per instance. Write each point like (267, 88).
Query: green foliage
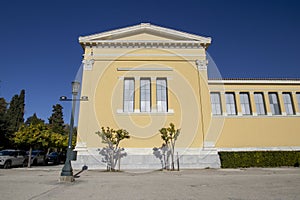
(39, 135)
(15, 112)
(3, 123)
(34, 120)
(56, 121)
(112, 137)
(112, 152)
(259, 159)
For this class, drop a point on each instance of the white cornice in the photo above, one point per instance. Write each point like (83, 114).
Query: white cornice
(253, 82)
(179, 38)
(170, 44)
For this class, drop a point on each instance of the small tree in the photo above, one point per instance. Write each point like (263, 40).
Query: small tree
(112, 152)
(31, 136)
(169, 136)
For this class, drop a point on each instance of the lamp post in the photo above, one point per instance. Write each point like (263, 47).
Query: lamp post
(67, 171)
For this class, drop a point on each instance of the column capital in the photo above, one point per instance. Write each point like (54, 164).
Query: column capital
(201, 64)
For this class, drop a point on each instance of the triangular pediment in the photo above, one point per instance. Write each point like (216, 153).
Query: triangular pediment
(144, 32)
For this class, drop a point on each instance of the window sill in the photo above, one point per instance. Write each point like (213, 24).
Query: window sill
(138, 112)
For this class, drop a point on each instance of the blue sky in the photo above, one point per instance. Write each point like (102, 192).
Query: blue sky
(41, 54)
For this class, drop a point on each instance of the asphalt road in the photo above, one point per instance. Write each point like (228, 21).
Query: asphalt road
(42, 183)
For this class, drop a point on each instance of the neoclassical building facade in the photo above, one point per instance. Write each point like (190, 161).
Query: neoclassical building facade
(143, 77)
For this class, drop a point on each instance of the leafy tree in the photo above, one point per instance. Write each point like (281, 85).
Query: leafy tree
(56, 121)
(15, 112)
(3, 123)
(38, 135)
(31, 136)
(112, 152)
(169, 135)
(34, 120)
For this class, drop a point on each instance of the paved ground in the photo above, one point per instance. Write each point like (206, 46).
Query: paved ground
(42, 183)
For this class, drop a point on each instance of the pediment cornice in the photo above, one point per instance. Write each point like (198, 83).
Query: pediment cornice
(144, 44)
(173, 38)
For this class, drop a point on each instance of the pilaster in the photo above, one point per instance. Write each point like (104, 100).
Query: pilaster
(238, 104)
(281, 104)
(252, 103)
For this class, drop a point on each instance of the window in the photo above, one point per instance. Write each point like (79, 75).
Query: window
(245, 103)
(230, 103)
(260, 103)
(298, 99)
(145, 92)
(215, 100)
(128, 95)
(288, 103)
(274, 103)
(161, 95)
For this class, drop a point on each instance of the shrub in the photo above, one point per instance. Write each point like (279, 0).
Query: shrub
(259, 159)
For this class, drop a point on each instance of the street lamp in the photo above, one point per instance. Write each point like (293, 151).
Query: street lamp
(67, 171)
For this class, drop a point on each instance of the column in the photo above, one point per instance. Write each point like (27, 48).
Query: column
(153, 94)
(137, 94)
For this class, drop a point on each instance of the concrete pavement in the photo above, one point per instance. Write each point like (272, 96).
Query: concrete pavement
(42, 183)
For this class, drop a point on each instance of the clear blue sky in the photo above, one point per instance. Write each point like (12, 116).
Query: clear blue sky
(40, 51)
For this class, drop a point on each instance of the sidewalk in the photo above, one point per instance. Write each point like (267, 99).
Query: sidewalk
(42, 183)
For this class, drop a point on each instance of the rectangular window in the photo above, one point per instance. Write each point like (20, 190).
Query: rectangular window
(145, 95)
(230, 103)
(128, 95)
(216, 106)
(274, 103)
(260, 103)
(245, 103)
(161, 95)
(288, 103)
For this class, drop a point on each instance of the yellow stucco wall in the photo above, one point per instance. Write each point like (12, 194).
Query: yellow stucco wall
(258, 131)
(104, 87)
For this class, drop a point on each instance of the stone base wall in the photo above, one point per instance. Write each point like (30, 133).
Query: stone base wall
(137, 158)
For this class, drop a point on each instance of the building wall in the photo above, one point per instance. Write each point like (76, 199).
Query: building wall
(242, 131)
(103, 84)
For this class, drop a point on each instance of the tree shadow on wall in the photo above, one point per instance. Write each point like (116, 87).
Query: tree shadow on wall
(112, 157)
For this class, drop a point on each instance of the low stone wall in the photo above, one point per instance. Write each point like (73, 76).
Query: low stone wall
(137, 158)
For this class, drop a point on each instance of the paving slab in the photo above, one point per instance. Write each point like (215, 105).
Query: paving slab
(39, 183)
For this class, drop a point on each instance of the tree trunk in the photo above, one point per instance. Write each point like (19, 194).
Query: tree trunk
(29, 157)
(172, 155)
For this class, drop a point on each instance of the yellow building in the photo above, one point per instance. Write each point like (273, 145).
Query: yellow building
(141, 78)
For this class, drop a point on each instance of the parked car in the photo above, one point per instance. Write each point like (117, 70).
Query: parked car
(56, 158)
(11, 157)
(38, 157)
(53, 158)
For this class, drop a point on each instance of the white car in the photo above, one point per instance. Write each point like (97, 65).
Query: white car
(10, 158)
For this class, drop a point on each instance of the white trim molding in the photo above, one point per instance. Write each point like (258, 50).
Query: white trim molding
(201, 64)
(88, 64)
(144, 69)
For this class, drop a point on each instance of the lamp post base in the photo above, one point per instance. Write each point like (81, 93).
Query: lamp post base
(66, 179)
